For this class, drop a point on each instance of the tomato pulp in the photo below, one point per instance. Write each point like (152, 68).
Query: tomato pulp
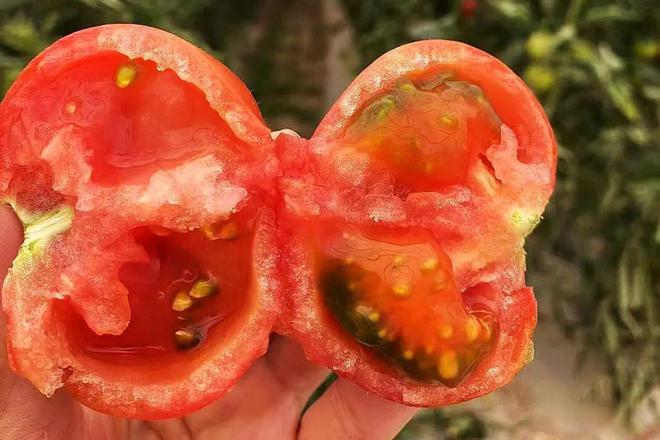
(167, 234)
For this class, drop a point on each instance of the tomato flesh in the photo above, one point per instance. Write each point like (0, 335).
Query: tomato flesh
(393, 291)
(133, 123)
(427, 132)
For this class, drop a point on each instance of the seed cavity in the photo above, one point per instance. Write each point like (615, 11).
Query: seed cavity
(125, 76)
(431, 336)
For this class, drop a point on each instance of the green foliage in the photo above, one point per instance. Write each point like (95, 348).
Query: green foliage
(453, 425)
(28, 26)
(596, 68)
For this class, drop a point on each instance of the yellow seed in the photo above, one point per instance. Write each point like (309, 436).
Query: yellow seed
(448, 365)
(160, 231)
(488, 331)
(353, 286)
(401, 290)
(407, 354)
(208, 231)
(440, 282)
(429, 349)
(446, 331)
(407, 87)
(373, 316)
(399, 259)
(430, 265)
(472, 328)
(181, 302)
(203, 288)
(361, 309)
(382, 333)
(449, 122)
(350, 259)
(125, 76)
(383, 108)
(185, 338)
(228, 231)
(70, 108)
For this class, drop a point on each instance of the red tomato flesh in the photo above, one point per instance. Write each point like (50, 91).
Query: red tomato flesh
(134, 117)
(427, 132)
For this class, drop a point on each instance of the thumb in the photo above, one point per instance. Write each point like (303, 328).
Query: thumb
(11, 236)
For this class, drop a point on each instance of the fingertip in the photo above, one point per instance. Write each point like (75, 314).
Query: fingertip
(347, 411)
(11, 237)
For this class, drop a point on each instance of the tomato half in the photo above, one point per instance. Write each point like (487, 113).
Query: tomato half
(142, 172)
(437, 137)
(166, 234)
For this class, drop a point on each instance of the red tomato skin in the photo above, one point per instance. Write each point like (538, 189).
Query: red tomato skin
(468, 8)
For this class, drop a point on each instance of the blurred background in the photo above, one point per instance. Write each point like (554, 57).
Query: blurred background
(594, 260)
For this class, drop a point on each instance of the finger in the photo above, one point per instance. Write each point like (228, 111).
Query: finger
(265, 403)
(291, 368)
(11, 236)
(346, 411)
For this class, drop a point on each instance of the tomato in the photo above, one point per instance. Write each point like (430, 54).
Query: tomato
(167, 234)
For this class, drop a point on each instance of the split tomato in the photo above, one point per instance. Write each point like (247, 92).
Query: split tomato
(167, 234)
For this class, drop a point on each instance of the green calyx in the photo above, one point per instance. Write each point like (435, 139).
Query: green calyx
(38, 230)
(524, 221)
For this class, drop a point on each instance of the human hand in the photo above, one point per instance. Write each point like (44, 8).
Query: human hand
(265, 404)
